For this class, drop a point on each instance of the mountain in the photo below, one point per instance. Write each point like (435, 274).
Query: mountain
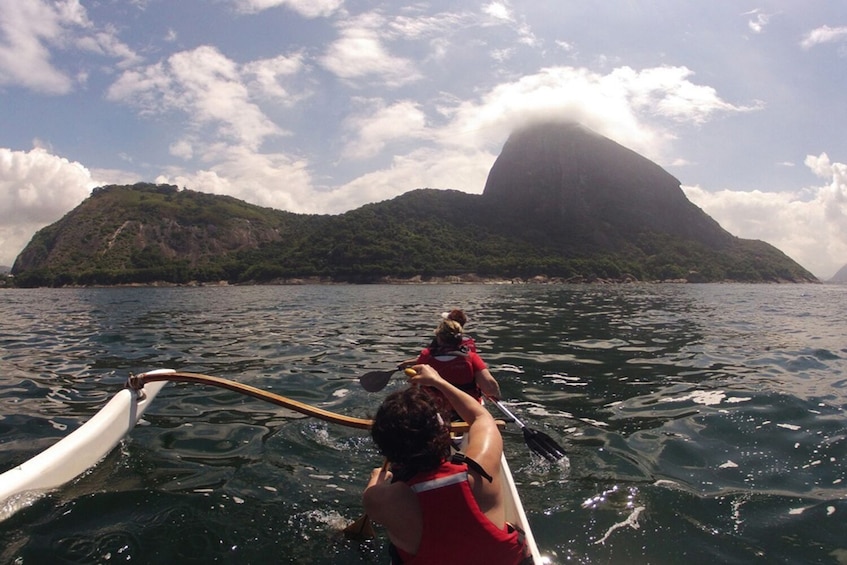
(574, 183)
(560, 202)
(148, 232)
(840, 277)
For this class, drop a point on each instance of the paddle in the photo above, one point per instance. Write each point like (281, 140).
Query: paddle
(376, 380)
(362, 529)
(539, 442)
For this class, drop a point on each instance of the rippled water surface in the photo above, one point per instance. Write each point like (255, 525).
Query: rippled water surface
(703, 423)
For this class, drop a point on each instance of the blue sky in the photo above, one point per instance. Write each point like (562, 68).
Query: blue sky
(321, 106)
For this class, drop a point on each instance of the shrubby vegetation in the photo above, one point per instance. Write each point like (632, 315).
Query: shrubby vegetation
(156, 233)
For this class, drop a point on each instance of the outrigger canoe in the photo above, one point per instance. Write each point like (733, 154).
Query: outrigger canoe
(81, 450)
(515, 514)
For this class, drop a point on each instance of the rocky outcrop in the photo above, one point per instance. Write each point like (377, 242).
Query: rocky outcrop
(135, 227)
(577, 183)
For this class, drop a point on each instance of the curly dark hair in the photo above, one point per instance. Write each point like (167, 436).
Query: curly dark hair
(408, 432)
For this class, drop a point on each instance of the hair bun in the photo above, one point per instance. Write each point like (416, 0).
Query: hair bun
(457, 315)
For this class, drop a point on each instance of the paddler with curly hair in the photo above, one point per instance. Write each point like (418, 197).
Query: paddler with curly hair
(438, 508)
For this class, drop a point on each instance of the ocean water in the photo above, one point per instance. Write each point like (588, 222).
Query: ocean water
(703, 423)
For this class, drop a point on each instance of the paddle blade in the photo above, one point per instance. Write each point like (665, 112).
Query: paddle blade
(360, 530)
(543, 445)
(376, 380)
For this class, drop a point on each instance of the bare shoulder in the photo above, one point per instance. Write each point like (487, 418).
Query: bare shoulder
(396, 507)
(388, 503)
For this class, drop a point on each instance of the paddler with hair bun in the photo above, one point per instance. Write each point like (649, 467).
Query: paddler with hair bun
(453, 355)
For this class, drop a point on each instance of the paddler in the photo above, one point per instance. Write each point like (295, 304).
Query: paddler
(454, 356)
(439, 508)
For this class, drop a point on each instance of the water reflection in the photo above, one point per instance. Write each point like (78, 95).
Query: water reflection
(712, 414)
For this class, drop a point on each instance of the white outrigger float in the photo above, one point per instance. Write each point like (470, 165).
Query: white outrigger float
(81, 450)
(71, 456)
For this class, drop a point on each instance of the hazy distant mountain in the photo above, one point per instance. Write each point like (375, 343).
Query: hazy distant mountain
(840, 277)
(560, 202)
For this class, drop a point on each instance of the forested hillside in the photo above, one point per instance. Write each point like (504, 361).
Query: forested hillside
(561, 203)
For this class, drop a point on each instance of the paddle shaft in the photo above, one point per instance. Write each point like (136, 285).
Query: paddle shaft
(361, 529)
(538, 442)
(507, 412)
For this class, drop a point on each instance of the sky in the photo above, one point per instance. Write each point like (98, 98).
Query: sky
(322, 106)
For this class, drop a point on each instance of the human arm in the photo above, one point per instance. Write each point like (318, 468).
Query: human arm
(485, 445)
(487, 384)
(395, 506)
(483, 378)
(374, 497)
(407, 363)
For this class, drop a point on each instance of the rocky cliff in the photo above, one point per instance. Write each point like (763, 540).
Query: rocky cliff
(578, 184)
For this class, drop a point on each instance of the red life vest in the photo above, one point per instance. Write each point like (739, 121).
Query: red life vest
(457, 366)
(469, 343)
(455, 530)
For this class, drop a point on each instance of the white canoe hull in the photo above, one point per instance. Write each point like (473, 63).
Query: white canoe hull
(515, 514)
(513, 506)
(76, 453)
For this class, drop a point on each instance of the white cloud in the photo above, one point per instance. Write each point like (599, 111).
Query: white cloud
(184, 149)
(36, 189)
(758, 21)
(266, 179)
(359, 52)
(435, 26)
(628, 106)
(498, 10)
(824, 34)
(502, 13)
(809, 226)
(464, 170)
(667, 92)
(268, 74)
(27, 27)
(403, 120)
(30, 29)
(306, 8)
(621, 105)
(206, 86)
(106, 44)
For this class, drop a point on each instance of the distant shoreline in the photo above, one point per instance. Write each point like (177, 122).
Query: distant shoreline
(442, 280)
